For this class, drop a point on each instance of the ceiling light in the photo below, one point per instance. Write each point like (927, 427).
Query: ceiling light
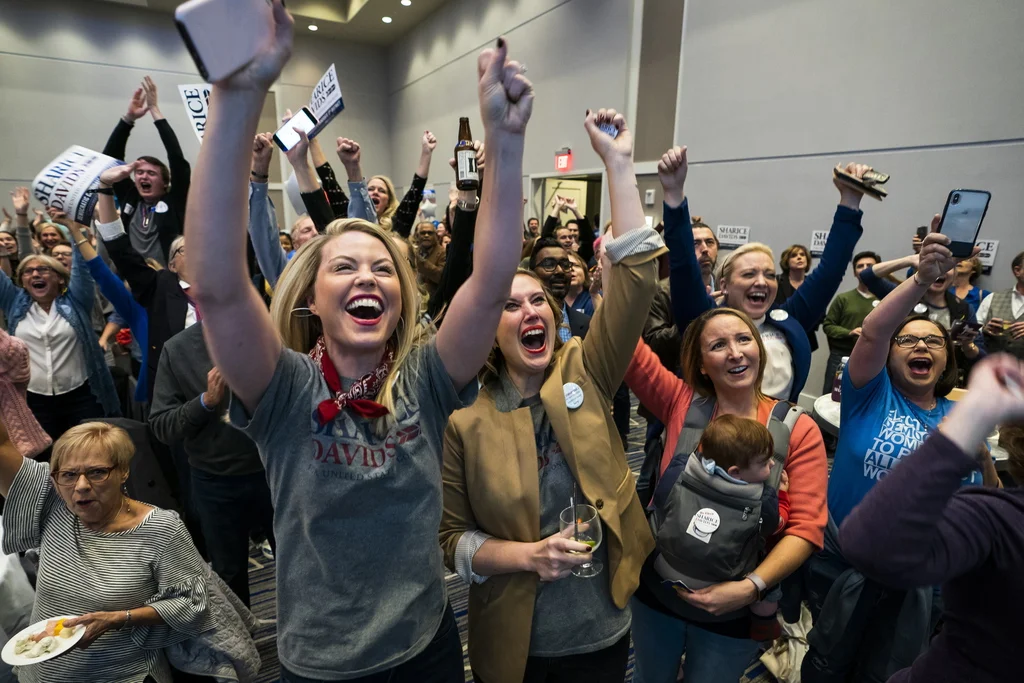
(406, 3)
(386, 20)
(313, 27)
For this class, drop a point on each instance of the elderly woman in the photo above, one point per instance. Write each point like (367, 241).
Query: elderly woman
(127, 570)
(52, 313)
(529, 620)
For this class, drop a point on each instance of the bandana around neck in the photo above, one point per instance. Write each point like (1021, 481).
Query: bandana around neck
(359, 397)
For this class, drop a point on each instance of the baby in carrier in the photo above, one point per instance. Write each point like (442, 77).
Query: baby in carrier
(722, 509)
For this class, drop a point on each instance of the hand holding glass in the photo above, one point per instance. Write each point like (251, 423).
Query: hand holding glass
(588, 532)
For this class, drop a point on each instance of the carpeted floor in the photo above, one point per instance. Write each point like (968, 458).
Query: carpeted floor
(264, 595)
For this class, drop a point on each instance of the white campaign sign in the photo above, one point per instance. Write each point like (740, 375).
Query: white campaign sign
(988, 252)
(197, 106)
(326, 101)
(818, 239)
(732, 236)
(67, 182)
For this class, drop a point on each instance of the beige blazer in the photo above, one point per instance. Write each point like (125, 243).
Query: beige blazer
(490, 472)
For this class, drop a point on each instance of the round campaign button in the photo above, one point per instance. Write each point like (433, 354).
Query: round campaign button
(706, 521)
(778, 315)
(920, 309)
(573, 395)
(874, 304)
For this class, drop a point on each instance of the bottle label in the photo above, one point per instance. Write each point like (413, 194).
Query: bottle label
(466, 163)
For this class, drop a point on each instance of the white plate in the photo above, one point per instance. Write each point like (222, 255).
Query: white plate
(63, 644)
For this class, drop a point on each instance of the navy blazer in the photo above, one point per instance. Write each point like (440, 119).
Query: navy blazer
(797, 316)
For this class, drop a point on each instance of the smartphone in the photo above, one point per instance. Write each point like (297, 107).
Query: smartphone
(961, 219)
(922, 232)
(286, 137)
(224, 35)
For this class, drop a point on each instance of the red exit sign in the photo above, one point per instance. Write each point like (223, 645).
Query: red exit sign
(563, 160)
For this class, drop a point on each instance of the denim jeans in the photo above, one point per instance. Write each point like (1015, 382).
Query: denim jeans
(440, 662)
(659, 641)
(229, 507)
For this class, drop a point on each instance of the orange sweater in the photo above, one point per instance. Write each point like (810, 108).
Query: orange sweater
(668, 397)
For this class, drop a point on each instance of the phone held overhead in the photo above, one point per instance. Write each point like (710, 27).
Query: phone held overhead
(223, 35)
(286, 136)
(961, 219)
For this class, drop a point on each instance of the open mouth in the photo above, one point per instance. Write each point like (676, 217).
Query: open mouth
(145, 185)
(366, 310)
(920, 366)
(757, 298)
(534, 339)
(738, 370)
(38, 286)
(376, 199)
(84, 503)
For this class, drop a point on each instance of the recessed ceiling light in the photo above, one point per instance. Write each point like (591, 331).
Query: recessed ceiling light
(406, 3)
(313, 27)
(386, 20)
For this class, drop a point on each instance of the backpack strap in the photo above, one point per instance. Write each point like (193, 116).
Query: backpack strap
(780, 426)
(698, 417)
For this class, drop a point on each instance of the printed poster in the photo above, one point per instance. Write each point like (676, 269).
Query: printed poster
(65, 182)
(197, 106)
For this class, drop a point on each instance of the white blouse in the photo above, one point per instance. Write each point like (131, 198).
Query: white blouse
(55, 355)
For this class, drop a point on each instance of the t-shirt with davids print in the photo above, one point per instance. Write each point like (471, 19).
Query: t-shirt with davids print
(878, 427)
(360, 575)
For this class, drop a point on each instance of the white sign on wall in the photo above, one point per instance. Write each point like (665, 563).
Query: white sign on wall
(988, 252)
(197, 106)
(732, 236)
(818, 239)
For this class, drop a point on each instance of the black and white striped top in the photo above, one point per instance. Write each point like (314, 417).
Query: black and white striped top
(83, 571)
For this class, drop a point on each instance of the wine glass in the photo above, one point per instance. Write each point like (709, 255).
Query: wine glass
(587, 531)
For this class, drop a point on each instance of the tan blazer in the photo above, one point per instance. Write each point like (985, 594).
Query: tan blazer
(490, 473)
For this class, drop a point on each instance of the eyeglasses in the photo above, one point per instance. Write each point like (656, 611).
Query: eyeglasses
(95, 475)
(179, 250)
(549, 264)
(909, 341)
(40, 270)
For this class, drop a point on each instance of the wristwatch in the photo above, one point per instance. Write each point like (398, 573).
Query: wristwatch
(759, 583)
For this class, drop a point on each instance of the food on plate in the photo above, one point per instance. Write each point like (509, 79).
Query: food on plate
(45, 641)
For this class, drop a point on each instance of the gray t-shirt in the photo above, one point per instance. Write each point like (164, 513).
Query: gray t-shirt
(144, 236)
(563, 606)
(360, 574)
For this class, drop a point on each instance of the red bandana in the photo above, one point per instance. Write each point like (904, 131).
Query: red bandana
(359, 397)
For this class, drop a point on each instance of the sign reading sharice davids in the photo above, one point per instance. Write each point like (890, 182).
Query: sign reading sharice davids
(326, 101)
(67, 182)
(732, 236)
(197, 106)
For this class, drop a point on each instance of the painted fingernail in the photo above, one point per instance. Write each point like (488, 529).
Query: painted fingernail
(588, 112)
(501, 42)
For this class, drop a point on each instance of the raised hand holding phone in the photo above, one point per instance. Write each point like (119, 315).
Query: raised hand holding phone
(962, 218)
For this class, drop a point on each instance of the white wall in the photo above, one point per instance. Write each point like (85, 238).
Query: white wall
(68, 69)
(576, 53)
(774, 94)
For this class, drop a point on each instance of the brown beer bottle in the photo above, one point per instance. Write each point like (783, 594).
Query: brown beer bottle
(466, 176)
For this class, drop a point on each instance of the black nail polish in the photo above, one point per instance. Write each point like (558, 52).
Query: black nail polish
(501, 42)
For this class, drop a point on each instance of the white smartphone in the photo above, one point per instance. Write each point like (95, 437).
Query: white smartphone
(286, 137)
(224, 35)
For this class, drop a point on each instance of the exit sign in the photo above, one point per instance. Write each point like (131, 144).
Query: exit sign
(563, 160)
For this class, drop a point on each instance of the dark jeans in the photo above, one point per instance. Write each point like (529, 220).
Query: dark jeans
(58, 414)
(440, 662)
(229, 507)
(603, 666)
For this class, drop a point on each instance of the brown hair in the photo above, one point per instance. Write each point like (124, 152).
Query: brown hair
(947, 380)
(1011, 437)
(573, 256)
(692, 357)
(789, 252)
(496, 360)
(731, 440)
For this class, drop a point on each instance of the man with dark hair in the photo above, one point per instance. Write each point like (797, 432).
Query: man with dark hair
(1002, 314)
(551, 262)
(845, 317)
(532, 228)
(580, 230)
(152, 208)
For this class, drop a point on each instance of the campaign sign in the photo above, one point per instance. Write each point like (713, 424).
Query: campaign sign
(326, 102)
(732, 236)
(67, 182)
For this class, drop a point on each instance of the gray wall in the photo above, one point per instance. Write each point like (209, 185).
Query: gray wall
(774, 94)
(576, 53)
(68, 69)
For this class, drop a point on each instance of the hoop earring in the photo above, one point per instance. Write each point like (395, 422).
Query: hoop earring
(298, 312)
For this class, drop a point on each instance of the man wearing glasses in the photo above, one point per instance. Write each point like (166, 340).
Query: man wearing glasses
(550, 261)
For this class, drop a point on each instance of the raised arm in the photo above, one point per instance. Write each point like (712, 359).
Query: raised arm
(359, 206)
(336, 197)
(869, 355)
(688, 293)
(22, 233)
(459, 262)
(262, 220)
(237, 326)
(181, 170)
(586, 250)
(506, 102)
(408, 208)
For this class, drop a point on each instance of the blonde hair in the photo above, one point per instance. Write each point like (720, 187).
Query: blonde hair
(295, 288)
(384, 219)
(112, 441)
(725, 272)
(54, 265)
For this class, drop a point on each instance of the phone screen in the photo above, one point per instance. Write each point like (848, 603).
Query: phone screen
(286, 137)
(965, 210)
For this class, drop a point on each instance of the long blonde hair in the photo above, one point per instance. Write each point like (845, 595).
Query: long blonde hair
(384, 219)
(295, 288)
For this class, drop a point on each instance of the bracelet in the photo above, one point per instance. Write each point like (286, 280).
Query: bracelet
(917, 280)
(127, 618)
(759, 584)
(260, 176)
(81, 242)
(24, 215)
(105, 190)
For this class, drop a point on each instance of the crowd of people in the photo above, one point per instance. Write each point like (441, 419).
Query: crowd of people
(377, 399)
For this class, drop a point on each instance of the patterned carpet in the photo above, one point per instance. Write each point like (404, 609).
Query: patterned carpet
(264, 595)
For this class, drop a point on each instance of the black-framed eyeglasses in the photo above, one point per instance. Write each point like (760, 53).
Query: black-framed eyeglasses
(95, 475)
(179, 250)
(549, 264)
(40, 270)
(909, 341)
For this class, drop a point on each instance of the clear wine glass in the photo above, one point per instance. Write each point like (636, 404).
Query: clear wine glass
(588, 532)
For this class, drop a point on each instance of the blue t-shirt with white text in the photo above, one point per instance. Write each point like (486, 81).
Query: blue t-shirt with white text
(878, 427)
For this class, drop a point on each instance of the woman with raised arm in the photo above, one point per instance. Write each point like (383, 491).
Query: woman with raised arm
(894, 394)
(398, 217)
(749, 282)
(346, 394)
(920, 527)
(503, 496)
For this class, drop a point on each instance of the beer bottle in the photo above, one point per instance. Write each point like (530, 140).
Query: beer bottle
(466, 176)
